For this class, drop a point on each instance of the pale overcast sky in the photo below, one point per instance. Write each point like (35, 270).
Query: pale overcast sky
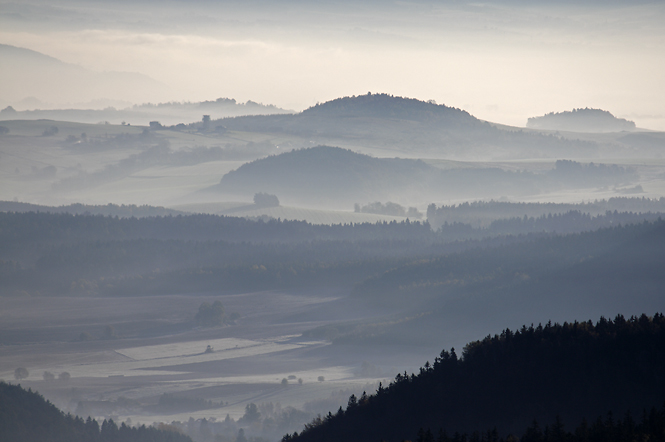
(503, 61)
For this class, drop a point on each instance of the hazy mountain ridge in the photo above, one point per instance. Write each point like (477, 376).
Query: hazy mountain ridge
(52, 80)
(333, 175)
(386, 106)
(581, 120)
(406, 125)
(170, 113)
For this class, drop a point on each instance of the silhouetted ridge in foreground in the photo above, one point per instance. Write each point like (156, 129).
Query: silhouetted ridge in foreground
(573, 371)
(26, 417)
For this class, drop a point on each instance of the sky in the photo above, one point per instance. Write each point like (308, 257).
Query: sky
(503, 61)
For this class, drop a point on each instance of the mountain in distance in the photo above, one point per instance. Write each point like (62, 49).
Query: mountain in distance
(326, 175)
(581, 120)
(395, 108)
(167, 114)
(410, 127)
(24, 72)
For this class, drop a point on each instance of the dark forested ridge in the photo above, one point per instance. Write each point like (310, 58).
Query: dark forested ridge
(573, 371)
(26, 417)
(47, 253)
(51, 253)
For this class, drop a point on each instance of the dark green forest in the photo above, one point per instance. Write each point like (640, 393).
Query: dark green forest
(26, 417)
(523, 385)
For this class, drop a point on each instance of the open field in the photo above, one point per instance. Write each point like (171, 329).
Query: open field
(158, 349)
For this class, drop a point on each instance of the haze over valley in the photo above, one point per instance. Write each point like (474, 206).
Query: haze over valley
(278, 221)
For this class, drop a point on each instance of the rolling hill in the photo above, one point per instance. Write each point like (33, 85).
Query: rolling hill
(325, 175)
(411, 127)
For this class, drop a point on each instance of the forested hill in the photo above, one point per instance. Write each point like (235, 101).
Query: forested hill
(405, 124)
(388, 106)
(572, 371)
(325, 174)
(581, 120)
(26, 417)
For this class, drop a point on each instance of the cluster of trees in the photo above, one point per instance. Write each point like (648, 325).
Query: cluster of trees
(576, 174)
(25, 416)
(574, 370)
(389, 208)
(262, 199)
(210, 315)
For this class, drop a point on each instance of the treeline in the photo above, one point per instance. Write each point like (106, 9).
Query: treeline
(651, 427)
(58, 228)
(389, 208)
(572, 370)
(119, 210)
(25, 416)
(45, 253)
(573, 221)
(482, 213)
